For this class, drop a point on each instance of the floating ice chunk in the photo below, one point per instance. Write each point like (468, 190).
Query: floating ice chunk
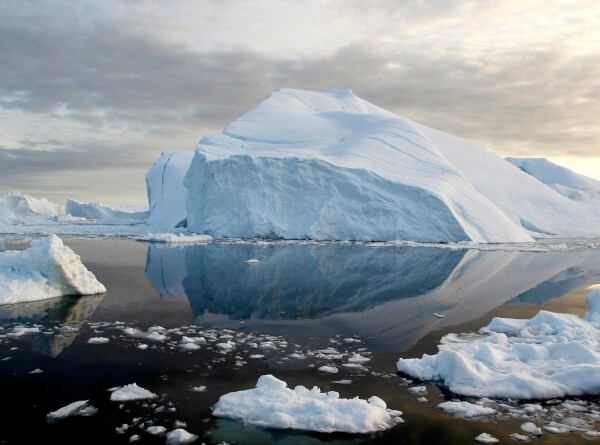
(592, 433)
(418, 390)
(357, 358)
(176, 238)
(550, 355)
(272, 405)
(328, 369)
(252, 261)
(422, 399)
(189, 347)
(134, 438)
(199, 388)
(19, 331)
(156, 430)
(98, 340)
(256, 356)
(531, 428)
(180, 436)
(486, 438)
(36, 371)
(342, 382)
(466, 409)
(131, 392)
(556, 428)
(47, 269)
(80, 408)
(227, 346)
(435, 314)
(519, 437)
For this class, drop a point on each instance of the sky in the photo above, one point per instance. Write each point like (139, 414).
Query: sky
(92, 92)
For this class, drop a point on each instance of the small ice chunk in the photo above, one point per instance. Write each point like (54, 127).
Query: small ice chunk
(199, 388)
(422, 399)
(486, 438)
(36, 371)
(80, 408)
(466, 409)
(252, 261)
(156, 430)
(435, 314)
(227, 346)
(556, 428)
(131, 392)
(256, 356)
(328, 369)
(180, 436)
(519, 437)
(98, 340)
(134, 438)
(418, 389)
(342, 382)
(531, 428)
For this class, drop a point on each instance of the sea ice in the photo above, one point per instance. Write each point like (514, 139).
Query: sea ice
(80, 408)
(328, 369)
(531, 428)
(180, 436)
(272, 405)
(16, 207)
(98, 340)
(466, 409)
(176, 238)
(486, 438)
(131, 392)
(97, 210)
(47, 269)
(550, 355)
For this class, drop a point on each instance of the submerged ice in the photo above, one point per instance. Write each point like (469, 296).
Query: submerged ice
(550, 355)
(47, 269)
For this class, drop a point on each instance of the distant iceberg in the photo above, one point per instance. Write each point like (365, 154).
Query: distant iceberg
(47, 269)
(15, 206)
(94, 210)
(331, 166)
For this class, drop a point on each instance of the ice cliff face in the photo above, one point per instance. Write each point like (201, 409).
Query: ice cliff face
(14, 206)
(331, 166)
(96, 210)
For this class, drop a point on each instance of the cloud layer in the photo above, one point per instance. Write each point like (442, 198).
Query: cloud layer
(114, 85)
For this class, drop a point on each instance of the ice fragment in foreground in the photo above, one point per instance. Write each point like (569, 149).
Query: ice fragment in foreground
(272, 405)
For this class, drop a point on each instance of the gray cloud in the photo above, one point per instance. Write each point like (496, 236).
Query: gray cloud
(76, 62)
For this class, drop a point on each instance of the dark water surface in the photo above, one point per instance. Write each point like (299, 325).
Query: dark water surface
(302, 298)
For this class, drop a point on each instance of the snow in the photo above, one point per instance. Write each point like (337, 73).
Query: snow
(272, 405)
(16, 207)
(131, 392)
(180, 436)
(466, 409)
(166, 193)
(80, 408)
(551, 355)
(176, 238)
(97, 210)
(47, 269)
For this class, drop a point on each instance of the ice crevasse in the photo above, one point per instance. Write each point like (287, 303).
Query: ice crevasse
(331, 166)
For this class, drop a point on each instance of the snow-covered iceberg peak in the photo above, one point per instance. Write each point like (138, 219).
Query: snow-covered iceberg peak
(550, 355)
(272, 405)
(333, 166)
(47, 269)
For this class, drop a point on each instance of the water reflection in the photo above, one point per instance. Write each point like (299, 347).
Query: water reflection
(387, 294)
(295, 281)
(72, 311)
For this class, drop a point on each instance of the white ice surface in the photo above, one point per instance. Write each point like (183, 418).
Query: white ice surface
(47, 269)
(131, 392)
(166, 194)
(272, 405)
(17, 207)
(80, 408)
(176, 238)
(97, 210)
(466, 409)
(550, 355)
(180, 436)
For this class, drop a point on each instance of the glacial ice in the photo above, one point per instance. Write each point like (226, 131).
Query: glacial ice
(550, 355)
(272, 405)
(15, 207)
(166, 193)
(331, 166)
(47, 269)
(131, 392)
(97, 210)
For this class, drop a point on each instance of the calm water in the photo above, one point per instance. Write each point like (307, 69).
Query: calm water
(301, 299)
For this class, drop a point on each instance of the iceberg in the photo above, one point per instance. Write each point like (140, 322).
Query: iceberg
(563, 180)
(331, 166)
(95, 210)
(166, 193)
(15, 206)
(47, 269)
(272, 405)
(551, 355)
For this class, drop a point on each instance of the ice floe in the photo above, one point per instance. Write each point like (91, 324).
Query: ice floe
(131, 392)
(271, 404)
(466, 409)
(176, 238)
(47, 269)
(80, 408)
(550, 355)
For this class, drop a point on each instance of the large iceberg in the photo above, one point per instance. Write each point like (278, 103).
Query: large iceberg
(331, 166)
(47, 269)
(97, 210)
(551, 355)
(15, 206)
(166, 193)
